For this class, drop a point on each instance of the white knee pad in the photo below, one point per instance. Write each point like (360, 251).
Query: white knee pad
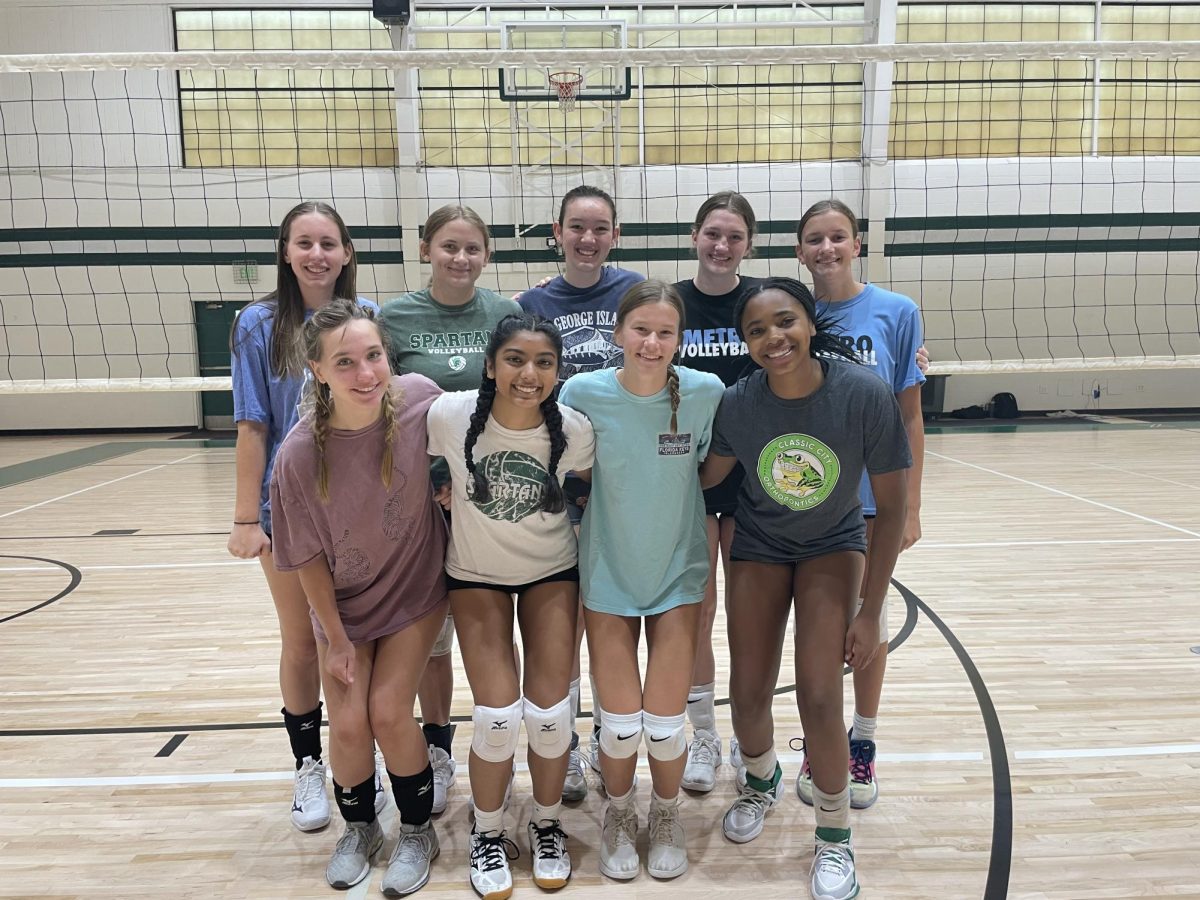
(665, 740)
(497, 730)
(549, 730)
(620, 733)
(445, 639)
(883, 618)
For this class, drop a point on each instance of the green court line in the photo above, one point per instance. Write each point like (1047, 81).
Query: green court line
(45, 466)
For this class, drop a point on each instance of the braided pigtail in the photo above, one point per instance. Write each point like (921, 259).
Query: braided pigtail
(673, 387)
(322, 410)
(392, 398)
(479, 490)
(552, 496)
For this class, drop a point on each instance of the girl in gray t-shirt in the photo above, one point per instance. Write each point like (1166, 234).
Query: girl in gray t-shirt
(804, 428)
(354, 515)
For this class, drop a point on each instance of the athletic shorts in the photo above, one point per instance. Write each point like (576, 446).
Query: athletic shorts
(455, 584)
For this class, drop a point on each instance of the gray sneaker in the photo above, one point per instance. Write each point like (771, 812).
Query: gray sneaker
(575, 787)
(408, 868)
(668, 842)
(703, 760)
(351, 860)
(743, 821)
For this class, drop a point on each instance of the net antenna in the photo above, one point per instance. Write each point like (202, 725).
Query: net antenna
(567, 86)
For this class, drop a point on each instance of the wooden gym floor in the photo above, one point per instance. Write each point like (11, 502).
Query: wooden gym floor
(1040, 732)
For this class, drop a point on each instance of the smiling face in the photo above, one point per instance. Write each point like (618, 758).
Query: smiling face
(586, 233)
(355, 366)
(721, 242)
(829, 245)
(649, 334)
(316, 254)
(525, 369)
(457, 251)
(777, 332)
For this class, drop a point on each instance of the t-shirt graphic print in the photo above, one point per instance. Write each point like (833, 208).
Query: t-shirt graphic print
(516, 482)
(798, 471)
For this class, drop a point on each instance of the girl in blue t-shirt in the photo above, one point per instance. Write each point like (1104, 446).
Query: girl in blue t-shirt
(644, 555)
(314, 262)
(804, 428)
(884, 329)
(582, 303)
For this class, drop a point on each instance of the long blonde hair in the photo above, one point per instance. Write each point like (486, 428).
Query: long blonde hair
(318, 399)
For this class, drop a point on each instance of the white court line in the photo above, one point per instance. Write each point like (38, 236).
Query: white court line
(1087, 753)
(937, 545)
(199, 565)
(1194, 487)
(924, 545)
(94, 486)
(788, 758)
(1052, 490)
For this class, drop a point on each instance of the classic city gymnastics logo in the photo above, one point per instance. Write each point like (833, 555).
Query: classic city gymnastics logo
(516, 482)
(458, 363)
(798, 471)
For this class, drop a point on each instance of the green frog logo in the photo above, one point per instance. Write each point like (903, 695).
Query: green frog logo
(798, 471)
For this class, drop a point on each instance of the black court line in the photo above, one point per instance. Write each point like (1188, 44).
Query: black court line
(76, 578)
(140, 534)
(1000, 864)
(172, 745)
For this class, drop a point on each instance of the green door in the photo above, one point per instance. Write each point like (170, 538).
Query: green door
(214, 320)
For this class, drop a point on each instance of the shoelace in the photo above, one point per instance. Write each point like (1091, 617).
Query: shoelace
(755, 800)
(835, 860)
(354, 838)
(575, 763)
(441, 768)
(663, 818)
(550, 840)
(861, 757)
(625, 825)
(797, 745)
(491, 850)
(704, 750)
(310, 784)
(413, 846)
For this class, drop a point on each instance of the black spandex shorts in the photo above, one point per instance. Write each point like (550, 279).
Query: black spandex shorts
(454, 584)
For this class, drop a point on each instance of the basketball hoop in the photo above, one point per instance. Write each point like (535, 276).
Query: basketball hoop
(567, 85)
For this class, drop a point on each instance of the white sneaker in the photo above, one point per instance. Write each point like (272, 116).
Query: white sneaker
(704, 758)
(618, 843)
(735, 753)
(548, 848)
(351, 859)
(380, 773)
(443, 777)
(408, 868)
(833, 876)
(310, 801)
(490, 875)
(668, 842)
(743, 821)
(575, 786)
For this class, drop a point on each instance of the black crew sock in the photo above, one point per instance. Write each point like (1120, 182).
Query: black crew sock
(414, 796)
(356, 804)
(440, 736)
(304, 733)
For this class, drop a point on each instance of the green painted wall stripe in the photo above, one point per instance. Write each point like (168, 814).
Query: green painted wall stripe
(1065, 220)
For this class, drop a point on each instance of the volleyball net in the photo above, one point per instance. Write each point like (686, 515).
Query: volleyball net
(1039, 200)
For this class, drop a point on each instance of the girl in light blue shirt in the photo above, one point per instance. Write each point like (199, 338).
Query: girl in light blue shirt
(644, 555)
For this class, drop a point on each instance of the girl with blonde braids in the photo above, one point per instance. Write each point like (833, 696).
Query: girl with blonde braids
(644, 555)
(354, 516)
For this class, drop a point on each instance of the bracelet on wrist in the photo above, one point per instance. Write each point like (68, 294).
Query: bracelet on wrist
(254, 522)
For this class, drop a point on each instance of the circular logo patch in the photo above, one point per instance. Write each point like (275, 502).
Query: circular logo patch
(458, 363)
(516, 482)
(798, 471)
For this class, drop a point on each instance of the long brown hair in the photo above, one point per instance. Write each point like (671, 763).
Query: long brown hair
(318, 400)
(734, 203)
(654, 291)
(286, 302)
